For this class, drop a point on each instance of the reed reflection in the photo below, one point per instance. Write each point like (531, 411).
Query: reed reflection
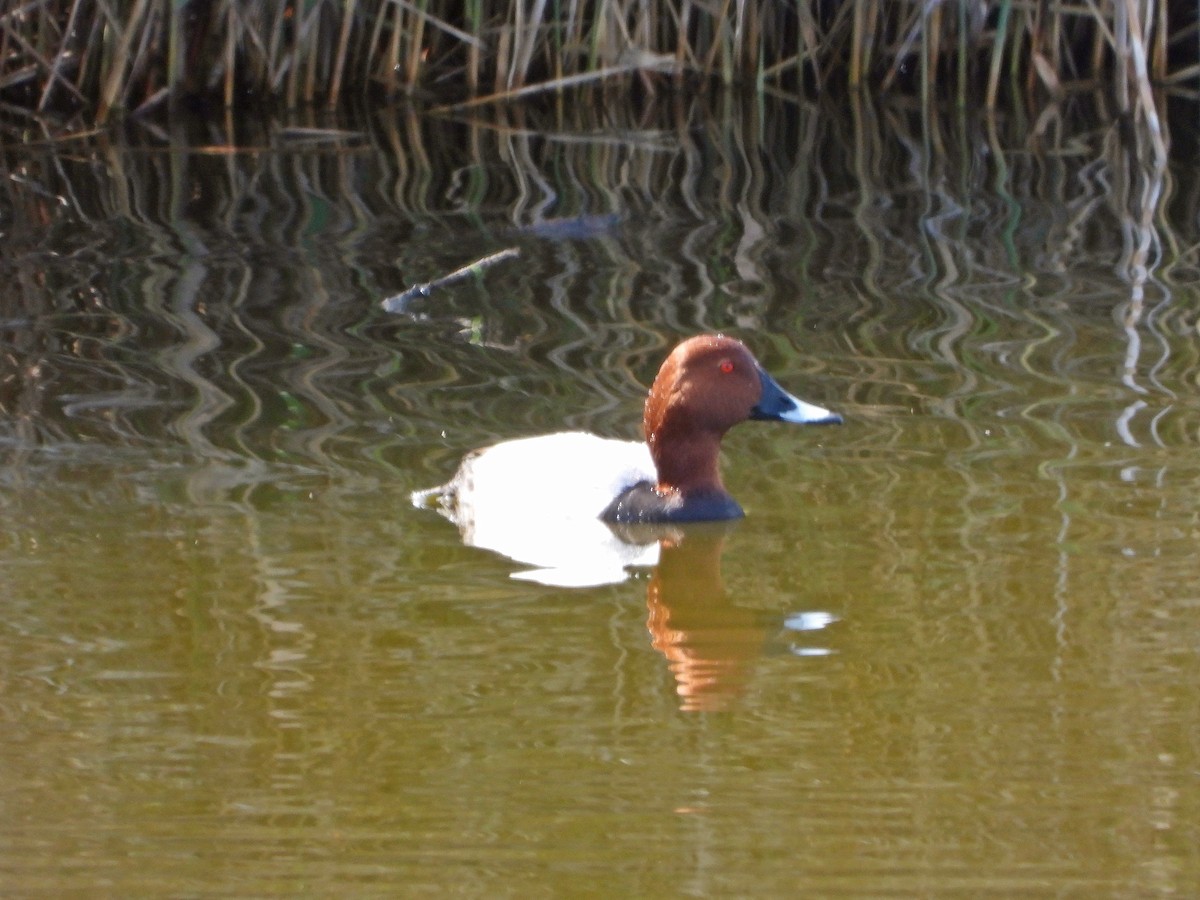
(710, 643)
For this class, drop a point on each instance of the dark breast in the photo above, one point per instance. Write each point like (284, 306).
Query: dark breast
(643, 504)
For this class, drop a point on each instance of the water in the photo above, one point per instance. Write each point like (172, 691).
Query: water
(951, 650)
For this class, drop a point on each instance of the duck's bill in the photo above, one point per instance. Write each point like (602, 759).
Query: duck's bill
(778, 405)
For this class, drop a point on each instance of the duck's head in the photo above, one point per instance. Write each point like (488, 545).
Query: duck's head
(707, 385)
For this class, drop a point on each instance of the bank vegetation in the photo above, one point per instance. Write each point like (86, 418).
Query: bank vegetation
(105, 58)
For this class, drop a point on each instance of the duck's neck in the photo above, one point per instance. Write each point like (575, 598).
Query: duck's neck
(688, 464)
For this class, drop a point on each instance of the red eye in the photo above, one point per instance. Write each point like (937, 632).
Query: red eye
(726, 366)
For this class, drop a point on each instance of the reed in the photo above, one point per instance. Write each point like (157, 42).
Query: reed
(110, 57)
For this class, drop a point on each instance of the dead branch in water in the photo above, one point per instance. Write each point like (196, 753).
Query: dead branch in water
(399, 302)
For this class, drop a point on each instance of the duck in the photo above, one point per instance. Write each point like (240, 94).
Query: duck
(518, 496)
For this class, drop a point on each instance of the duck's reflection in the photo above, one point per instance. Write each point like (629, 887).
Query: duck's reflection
(711, 644)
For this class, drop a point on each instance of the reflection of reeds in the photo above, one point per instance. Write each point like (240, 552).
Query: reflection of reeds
(111, 55)
(786, 219)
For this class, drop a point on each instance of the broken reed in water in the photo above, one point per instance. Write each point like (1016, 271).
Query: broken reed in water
(109, 56)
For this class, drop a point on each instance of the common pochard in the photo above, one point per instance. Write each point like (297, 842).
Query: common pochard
(518, 497)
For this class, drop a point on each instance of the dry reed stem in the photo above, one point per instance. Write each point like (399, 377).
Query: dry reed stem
(541, 87)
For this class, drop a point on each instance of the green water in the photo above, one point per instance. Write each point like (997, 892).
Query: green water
(952, 649)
